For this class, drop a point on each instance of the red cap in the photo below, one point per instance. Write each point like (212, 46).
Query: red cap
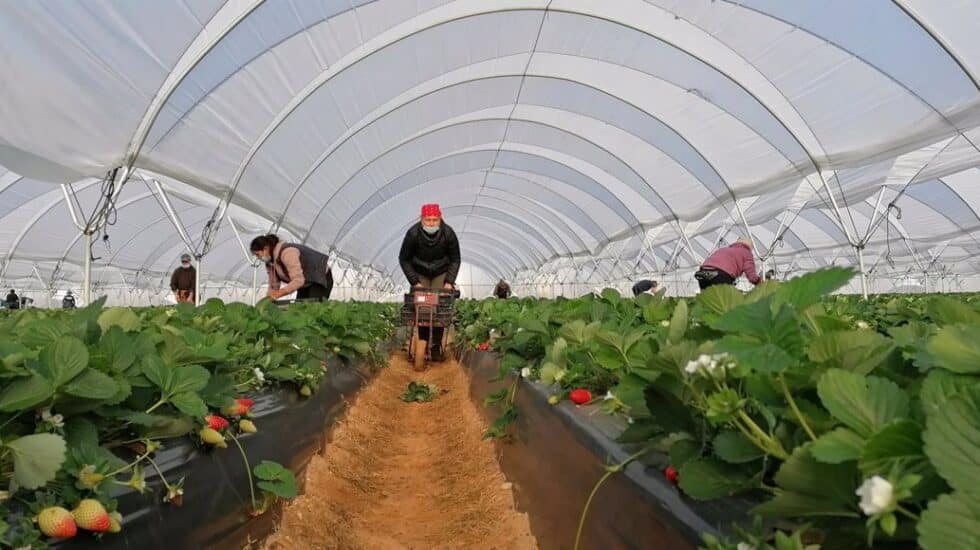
(430, 210)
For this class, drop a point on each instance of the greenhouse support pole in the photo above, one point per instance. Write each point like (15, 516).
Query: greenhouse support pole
(864, 274)
(197, 280)
(40, 279)
(87, 281)
(255, 282)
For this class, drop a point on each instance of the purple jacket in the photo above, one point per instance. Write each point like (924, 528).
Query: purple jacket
(734, 260)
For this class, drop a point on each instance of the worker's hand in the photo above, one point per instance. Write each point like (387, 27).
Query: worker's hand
(274, 294)
(448, 286)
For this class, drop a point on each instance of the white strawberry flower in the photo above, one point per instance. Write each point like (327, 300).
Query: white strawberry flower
(863, 325)
(526, 372)
(877, 495)
(259, 375)
(55, 420)
(609, 395)
(707, 364)
(665, 323)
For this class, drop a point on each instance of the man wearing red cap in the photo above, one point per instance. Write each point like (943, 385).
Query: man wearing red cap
(430, 258)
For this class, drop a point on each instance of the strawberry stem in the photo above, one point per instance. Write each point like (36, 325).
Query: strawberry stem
(610, 470)
(248, 470)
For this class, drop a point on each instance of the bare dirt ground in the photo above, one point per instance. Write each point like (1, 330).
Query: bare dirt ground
(407, 475)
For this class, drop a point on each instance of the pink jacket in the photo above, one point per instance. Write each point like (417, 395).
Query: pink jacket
(735, 260)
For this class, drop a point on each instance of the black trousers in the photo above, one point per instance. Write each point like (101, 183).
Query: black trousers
(721, 278)
(315, 292)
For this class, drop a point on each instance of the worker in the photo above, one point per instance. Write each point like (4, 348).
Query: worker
(429, 257)
(293, 267)
(183, 282)
(645, 285)
(502, 290)
(13, 301)
(68, 302)
(771, 274)
(728, 264)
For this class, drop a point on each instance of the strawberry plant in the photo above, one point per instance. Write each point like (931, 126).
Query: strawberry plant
(854, 419)
(89, 396)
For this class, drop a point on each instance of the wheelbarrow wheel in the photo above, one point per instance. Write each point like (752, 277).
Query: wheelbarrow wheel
(418, 359)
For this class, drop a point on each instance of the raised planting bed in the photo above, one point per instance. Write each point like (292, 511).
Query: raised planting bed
(214, 512)
(554, 455)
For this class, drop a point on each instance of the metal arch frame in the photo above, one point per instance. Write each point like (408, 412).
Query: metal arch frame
(942, 43)
(607, 197)
(174, 80)
(438, 128)
(477, 13)
(503, 249)
(535, 253)
(408, 102)
(341, 235)
(509, 173)
(527, 257)
(358, 217)
(867, 63)
(313, 86)
(36, 218)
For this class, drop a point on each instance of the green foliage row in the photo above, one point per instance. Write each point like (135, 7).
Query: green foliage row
(88, 396)
(856, 421)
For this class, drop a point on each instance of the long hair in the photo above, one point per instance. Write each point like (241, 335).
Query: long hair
(260, 242)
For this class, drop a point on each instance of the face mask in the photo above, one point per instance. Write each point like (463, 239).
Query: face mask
(186, 265)
(430, 229)
(265, 259)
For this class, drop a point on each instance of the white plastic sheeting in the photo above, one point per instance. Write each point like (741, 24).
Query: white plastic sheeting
(570, 142)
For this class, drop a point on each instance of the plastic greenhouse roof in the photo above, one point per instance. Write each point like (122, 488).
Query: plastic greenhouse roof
(554, 133)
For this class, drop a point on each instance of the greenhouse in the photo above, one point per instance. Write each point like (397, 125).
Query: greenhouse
(184, 183)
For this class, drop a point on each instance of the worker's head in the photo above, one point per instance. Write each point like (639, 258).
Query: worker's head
(746, 241)
(263, 246)
(645, 285)
(431, 218)
(12, 291)
(68, 293)
(185, 260)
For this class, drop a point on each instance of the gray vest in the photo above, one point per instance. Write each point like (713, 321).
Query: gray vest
(315, 265)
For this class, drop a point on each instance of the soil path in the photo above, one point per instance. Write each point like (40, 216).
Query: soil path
(407, 476)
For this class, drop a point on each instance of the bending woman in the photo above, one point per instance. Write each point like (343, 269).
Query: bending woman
(293, 268)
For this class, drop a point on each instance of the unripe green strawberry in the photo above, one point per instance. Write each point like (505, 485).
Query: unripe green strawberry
(91, 516)
(115, 522)
(336, 349)
(57, 522)
(305, 391)
(247, 426)
(553, 399)
(212, 437)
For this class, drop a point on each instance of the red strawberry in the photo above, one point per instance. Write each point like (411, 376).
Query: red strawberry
(240, 408)
(671, 474)
(91, 516)
(215, 422)
(57, 522)
(484, 346)
(580, 396)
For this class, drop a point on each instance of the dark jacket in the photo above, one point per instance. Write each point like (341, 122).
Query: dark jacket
(184, 278)
(68, 302)
(13, 301)
(430, 255)
(502, 291)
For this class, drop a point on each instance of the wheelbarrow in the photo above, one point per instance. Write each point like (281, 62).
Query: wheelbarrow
(432, 309)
